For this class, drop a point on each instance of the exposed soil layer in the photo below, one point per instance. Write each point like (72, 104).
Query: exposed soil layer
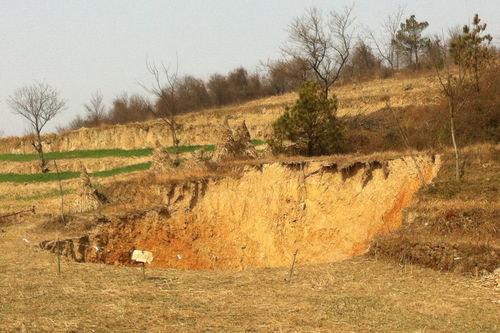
(325, 211)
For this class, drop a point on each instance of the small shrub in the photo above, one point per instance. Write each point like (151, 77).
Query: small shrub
(310, 124)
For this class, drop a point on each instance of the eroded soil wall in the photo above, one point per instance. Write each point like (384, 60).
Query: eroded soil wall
(324, 211)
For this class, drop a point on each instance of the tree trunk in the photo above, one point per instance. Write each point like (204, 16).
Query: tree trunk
(41, 157)
(476, 78)
(452, 129)
(175, 141)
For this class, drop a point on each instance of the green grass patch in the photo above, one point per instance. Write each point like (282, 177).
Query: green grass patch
(36, 177)
(47, 177)
(190, 149)
(257, 142)
(100, 153)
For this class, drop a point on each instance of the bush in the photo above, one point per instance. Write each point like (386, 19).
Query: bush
(310, 124)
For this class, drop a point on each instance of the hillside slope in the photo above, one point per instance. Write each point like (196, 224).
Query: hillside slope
(201, 127)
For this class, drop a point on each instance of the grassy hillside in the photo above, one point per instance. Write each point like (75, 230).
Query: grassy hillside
(432, 275)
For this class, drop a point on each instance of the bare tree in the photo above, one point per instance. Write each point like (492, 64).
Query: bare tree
(167, 105)
(472, 55)
(324, 45)
(385, 45)
(453, 88)
(38, 104)
(95, 109)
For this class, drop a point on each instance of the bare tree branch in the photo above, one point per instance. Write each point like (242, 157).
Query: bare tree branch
(163, 87)
(38, 104)
(385, 44)
(95, 108)
(325, 45)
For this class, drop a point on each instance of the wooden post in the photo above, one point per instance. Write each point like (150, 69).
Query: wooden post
(144, 271)
(293, 265)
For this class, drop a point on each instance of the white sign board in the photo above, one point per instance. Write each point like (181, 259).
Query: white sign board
(142, 256)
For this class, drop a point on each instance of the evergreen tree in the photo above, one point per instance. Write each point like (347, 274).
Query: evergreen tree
(409, 39)
(470, 50)
(311, 124)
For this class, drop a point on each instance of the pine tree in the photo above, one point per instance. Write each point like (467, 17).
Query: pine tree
(311, 124)
(470, 50)
(409, 39)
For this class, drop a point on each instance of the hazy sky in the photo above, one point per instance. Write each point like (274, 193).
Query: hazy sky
(80, 46)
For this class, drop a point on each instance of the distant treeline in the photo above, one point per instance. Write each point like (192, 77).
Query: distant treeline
(193, 94)
(239, 85)
(313, 53)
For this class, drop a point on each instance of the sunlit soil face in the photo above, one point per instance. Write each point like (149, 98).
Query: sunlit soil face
(321, 211)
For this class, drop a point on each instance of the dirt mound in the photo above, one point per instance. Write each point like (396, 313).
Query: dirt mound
(87, 198)
(161, 159)
(235, 144)
(324, 210)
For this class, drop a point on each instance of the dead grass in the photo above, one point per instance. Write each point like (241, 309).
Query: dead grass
(358, 295)
(453, 225)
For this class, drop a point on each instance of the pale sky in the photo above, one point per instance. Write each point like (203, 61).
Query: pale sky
(79, 46)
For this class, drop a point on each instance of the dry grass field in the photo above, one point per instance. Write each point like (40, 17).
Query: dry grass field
(358, 295)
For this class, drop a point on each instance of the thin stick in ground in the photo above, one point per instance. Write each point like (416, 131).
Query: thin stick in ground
(293, 265)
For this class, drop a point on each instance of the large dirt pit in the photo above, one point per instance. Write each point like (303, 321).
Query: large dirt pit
(324, 211)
